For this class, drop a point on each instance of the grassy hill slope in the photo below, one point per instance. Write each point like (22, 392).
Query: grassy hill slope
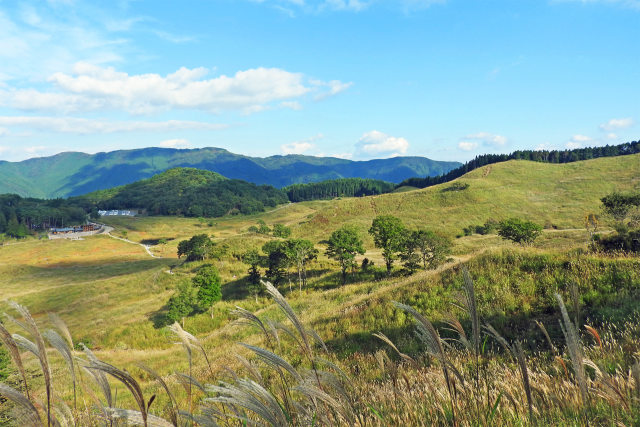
(72, 174)
(557, 194)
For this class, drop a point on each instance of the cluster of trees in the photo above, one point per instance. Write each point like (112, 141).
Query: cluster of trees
(488, 227)
(278, 230)
(21, 216)
(196, 295)
(624, 208)
(414, 247)
(545, 156)
(345, 187)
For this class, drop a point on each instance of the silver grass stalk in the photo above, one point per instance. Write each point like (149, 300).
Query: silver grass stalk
(250, 319)
(126, 379)
(187, 380)
(312, 392)
(32, 328)
(137, 418)
(99, 377)
(12, 347)
(31, 415)
(470, 302)
(251, 396)
(273, 360)
(522, 363)
(62, 346)
(173, 404)
(62, 328)
(404, 356)
(257, 377)
(288, 311)
(575, 349)
(204, 420)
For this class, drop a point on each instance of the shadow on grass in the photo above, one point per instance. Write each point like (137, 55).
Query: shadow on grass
(154, 242)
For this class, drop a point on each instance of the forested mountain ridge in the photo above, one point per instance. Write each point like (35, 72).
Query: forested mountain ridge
(72, 174)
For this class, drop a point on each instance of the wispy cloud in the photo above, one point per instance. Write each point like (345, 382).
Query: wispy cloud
(175, 143)
(616, 124)
(631, 4)
(301, 147)
(81, 126)
(482, 139)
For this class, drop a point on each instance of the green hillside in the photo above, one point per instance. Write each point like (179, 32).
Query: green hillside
(190, 192)
(72, 174)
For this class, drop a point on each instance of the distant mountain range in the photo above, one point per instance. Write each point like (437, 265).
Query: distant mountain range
(73, 173)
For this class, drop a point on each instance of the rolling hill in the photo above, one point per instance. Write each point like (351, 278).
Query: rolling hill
(72, 173)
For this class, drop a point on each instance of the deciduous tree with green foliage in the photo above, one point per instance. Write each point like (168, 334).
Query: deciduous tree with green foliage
(388, 234)
(207, 281)
(253, 259)
(277, 260)
(343, 246)
(433, 248)
(183, 302)
(519, 231)
(281, 230)
(200, 247)
(300, 252)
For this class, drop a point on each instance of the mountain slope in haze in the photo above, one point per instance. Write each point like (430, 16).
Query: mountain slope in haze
(71, 174)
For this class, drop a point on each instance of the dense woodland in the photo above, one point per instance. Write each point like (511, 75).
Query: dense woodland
(20, 215)
(347, 187)
(544, 156)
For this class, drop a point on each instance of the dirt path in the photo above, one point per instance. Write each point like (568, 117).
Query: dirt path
(107, 231)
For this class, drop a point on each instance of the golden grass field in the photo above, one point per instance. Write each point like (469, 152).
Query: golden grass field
(109, 291)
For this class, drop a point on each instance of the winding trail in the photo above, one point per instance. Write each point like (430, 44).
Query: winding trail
(108, 230)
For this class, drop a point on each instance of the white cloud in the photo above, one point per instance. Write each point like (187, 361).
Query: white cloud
(467, 145)
(615, 124)
(482, 139)
(296, 147)
(379, 144)
(545, 146)
(300, 147)
(488, 139)
(612, 136)
(74, 125)
(175, 143)
(4, 131)
(578, 141)
(91, 87)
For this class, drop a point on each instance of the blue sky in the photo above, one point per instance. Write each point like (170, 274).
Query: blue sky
(360, 79)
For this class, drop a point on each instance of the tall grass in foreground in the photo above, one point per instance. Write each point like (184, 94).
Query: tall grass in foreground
(294, 380)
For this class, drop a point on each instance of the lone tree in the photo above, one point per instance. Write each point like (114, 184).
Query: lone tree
(519, 231)
(207, 281)
(433, 248)
(277, 261)
(618, 205)
(253, 259)
(344, 245)
(200, 247)
(182, 302)
(388, 234)
(300, 252)
(281, 230)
